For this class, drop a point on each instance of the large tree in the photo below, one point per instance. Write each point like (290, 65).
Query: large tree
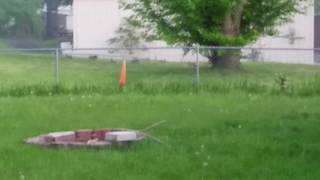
(212, 22)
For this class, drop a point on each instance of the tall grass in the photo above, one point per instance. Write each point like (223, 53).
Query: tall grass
(21, 75)
(305, 88)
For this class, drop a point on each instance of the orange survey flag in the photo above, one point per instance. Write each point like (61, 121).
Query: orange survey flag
(123, 76)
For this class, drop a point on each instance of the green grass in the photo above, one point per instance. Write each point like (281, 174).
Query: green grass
(22, 75)
(245, 137)
(238, 123)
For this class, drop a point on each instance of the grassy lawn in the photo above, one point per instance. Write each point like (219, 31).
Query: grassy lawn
(211, 134)
(28, 69)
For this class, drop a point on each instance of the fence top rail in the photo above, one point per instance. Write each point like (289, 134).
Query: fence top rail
(192, 48)
(155, 48)
(258, 48)
(27, 49)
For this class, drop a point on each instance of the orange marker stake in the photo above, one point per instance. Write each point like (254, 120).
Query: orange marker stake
(123, 76)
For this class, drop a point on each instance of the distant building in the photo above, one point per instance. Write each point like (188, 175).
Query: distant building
(58, 20)
(96, 21)
(303, 32)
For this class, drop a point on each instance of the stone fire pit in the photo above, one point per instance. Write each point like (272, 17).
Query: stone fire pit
(96, 139)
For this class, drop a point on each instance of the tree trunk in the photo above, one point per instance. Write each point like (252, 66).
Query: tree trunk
(226, 60)
(231, 28)
(232, 21)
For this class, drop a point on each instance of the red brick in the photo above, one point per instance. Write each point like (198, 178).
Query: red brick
(101, 134)
(84, 135)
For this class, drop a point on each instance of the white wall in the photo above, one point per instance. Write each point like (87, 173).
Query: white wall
(95, 21)
(303, 24)
(67, 10)
(69, 25)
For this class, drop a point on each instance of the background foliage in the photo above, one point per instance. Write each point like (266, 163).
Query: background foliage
(21, 18)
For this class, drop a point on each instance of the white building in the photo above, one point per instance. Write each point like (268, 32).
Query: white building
(297, 34)
(96, 21)
(58, 21)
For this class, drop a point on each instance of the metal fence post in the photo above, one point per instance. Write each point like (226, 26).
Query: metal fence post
(198, 65)
(57, 73)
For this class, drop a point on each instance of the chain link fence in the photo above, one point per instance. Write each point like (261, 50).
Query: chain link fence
(96, 66)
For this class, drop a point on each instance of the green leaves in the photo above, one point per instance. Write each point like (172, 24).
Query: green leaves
(225, 40)
(205, 21)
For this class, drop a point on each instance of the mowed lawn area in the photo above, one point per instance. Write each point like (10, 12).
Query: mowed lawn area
(244, 124)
